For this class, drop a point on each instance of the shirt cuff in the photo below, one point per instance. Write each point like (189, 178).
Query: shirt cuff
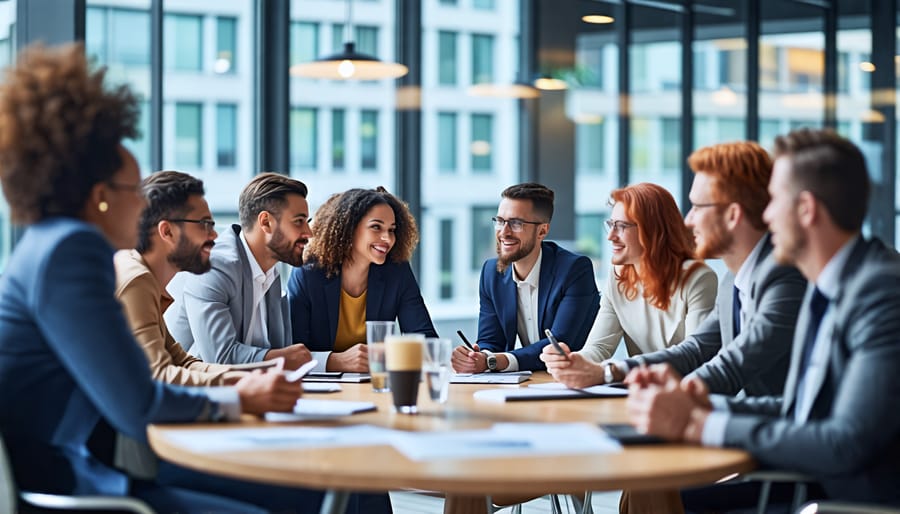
(513, 363)
(227, 403)
(719, 402)
(322, 358)
(714, 429)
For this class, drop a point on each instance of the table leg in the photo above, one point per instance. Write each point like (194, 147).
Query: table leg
(457, 504)
(335, 502)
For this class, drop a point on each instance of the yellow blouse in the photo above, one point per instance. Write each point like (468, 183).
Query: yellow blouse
(351, 327)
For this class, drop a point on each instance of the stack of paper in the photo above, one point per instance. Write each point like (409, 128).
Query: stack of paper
(548, 392)
(514, 377)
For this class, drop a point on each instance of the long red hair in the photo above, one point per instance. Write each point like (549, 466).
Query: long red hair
(666, 240)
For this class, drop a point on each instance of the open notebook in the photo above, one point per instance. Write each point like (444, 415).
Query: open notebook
(337, 376)
(514, 377)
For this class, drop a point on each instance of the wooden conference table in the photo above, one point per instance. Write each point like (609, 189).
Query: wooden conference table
(382, 468)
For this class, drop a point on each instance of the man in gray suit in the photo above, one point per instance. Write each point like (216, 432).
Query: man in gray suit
(837, 419)
(745, 342)
(236, 313)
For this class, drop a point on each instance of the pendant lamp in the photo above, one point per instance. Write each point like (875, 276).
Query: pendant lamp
(349, 64)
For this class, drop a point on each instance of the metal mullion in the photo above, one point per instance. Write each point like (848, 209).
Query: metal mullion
(687, 103)
(156, 85)
(753, 29)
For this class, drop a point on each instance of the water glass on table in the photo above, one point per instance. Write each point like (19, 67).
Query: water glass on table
(403, 360)
(437, 368)
(376, 331)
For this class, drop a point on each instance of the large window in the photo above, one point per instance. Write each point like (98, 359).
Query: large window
(447, 58)
(338, 138)
(303, 138)
(188, 135)
(226, 136)
(304, 42)
(482, 59)
(226, 44)
(368, 134)
(446, 141)
(482, 145)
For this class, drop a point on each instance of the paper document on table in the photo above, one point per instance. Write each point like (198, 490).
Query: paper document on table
(548, 393)
(320, 409)
(234, 439)
(514, 377)
(337, 376)
(506, 440)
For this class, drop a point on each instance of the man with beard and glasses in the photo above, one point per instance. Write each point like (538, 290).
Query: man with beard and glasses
(235, 313)
(531, 286)
(744, 344)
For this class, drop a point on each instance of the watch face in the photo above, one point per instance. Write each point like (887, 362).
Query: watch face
(491, 362)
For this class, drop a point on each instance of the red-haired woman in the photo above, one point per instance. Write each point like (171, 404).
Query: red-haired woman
(656, 293)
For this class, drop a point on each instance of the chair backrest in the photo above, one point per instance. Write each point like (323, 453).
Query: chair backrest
(8, 493)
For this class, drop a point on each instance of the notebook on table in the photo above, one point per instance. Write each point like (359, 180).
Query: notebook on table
(337, 376)
(514, 377)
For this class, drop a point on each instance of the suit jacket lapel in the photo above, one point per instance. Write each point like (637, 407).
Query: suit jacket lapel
(246, 283)
(274, 317)
(331, 296)
(545, 283)
(790, 384)
(375, 294)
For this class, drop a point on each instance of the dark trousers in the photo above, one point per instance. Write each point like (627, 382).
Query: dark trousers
(742, 497)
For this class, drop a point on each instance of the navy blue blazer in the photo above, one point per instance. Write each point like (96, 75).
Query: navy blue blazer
(568, 302)
(68, 357)
(392, 294)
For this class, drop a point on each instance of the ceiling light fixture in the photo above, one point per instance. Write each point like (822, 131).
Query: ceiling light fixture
(598, 19)
(349, 64)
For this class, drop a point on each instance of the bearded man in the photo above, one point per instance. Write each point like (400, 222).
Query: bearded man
(235, 313)
(531, 286)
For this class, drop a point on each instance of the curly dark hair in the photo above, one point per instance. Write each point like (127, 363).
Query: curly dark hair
(60, 131)
(167, 194)
(336, 221)
(267, 192)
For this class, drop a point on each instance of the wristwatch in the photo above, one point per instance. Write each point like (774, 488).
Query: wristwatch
(608, 373)
(491, 360)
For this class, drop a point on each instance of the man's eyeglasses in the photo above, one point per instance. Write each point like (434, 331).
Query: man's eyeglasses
(618, 226)
(516, 225)
(209, 225)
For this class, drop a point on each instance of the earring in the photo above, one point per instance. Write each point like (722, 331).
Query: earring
(103, 206)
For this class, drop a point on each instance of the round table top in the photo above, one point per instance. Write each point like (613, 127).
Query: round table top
(381, 467)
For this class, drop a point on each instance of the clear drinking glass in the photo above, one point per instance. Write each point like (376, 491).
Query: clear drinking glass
(403, 360)
(437, 368)
(376, 331)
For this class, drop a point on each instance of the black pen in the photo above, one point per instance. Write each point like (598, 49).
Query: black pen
(555, 344)
(465, 341)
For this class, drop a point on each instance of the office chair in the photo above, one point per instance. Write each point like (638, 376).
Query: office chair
(832, 507)
(768, 477)
(10, 496)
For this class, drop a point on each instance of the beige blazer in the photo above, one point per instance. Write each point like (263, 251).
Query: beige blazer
(644, 327)
(144, 302)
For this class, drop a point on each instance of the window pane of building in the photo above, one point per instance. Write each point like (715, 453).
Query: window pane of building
(482, 146)
(482, 59)
(367, 40)
(447, 142)
(226, 135)
(183, 42)
(95, 41)
(446, 253)
(129, 39)
(590, 141)
(304, 42)
(368, 133)
(338, 136)
(303, 138)
(484, 241)
(446, 58)
(483, 4)
(188, 135)
(226, 44)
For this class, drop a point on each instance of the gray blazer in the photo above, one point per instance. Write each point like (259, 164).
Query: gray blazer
(757, 360)
(211, 314)
(851, 440)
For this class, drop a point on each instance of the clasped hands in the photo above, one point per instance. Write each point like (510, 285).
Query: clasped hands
(663, 404)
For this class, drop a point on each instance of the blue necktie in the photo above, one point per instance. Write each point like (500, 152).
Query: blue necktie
(736, 312)
(817, 306)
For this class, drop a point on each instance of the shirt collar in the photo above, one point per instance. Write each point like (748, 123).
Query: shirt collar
(829, 281)
(745, 272)
(534, 275)
(258, 275)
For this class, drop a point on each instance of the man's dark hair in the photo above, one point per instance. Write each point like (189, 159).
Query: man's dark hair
(267, 192)
(540, 195)
(60, 131)
(167, 194)
(831, 168)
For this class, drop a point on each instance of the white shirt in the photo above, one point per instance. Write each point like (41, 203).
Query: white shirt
(744, 277)
(257, 335)
(527, 327)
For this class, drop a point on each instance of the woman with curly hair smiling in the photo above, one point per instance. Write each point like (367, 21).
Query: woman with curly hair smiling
(357, 270)
(656, 292)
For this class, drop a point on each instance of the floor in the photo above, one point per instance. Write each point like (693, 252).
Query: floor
(411, 503)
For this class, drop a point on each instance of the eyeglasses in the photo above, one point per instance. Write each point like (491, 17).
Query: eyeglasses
(618, 226)
(705, 205)
(515, 224)
(209, 225)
